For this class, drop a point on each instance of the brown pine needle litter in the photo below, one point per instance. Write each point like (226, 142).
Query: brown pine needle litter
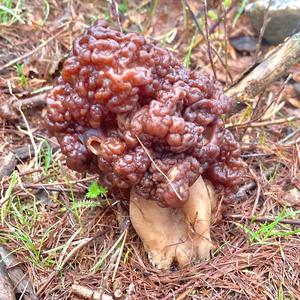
(73, 246)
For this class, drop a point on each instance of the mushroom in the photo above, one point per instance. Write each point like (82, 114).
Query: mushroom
(129, 111)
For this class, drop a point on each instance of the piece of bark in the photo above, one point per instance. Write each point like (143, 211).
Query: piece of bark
(7, 164)
(9, 110)
(6, 286)
(20, 281)
(24, 152)
(271, 68)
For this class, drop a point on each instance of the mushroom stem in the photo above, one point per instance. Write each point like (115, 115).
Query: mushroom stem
(174, 234)
(197, 211)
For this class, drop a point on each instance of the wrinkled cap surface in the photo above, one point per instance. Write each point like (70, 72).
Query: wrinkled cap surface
(128, 110)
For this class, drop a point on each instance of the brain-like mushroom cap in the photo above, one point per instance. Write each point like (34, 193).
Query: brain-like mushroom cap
(129, 110)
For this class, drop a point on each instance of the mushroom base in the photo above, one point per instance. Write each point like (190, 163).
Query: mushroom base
(179, 235)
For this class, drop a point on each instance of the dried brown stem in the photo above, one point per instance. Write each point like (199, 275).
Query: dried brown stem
(208, 41)
(263, 219)
(267, 123)
(266, 20)
(115, 12)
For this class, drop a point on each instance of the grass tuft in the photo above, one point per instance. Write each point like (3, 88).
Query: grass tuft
(268, 231)
(10, 13)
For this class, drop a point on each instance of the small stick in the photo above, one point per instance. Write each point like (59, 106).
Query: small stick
(288, 137)
(208, 40)
(157, 167)
(257, 193)
(266, 123)
(115, 12)
(274, 122)
(266, 20)
(263, 219)
(225, 41)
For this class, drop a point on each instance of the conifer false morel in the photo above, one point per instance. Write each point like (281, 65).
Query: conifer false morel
(128, 110)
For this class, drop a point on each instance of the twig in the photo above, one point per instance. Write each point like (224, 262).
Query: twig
(115, 12)
(256, 155)
(29, 102)
(242, 192)
(208, 40)
(56, 188)
(266, 20)
(194, 18)
(288, 137)
(293, 142)
(125, 226)
(263, 219)
(225, 41)
(265, 123)
(274, 122)
(257, 193)
(220, 18)
(157, 167)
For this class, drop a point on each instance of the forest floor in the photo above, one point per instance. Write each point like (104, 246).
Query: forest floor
(63, 241)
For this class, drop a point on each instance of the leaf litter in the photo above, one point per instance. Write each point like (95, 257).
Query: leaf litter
(60, 242)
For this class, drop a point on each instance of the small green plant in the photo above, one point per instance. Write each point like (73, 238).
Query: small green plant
(187, 58)
(45, 155)
(246, 114)
(240, 11)
(153, 8)
(164, 41)
(106, 15)
(21, 74)
(87, 204)
(47, 10)
(212, 15)
(123, 7)
(226, 3)
(6, 200)
(266, 231)
(10, 13)
(95, 190)
(262, 138)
